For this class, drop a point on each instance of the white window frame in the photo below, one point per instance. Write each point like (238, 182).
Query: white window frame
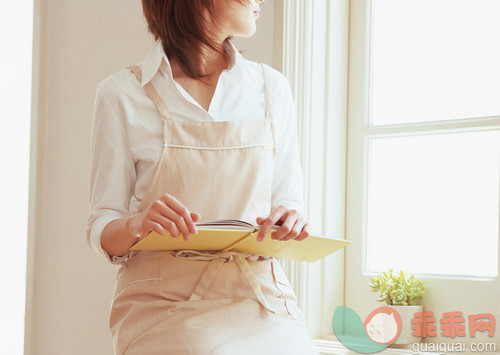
(359, 81)
(311, 49)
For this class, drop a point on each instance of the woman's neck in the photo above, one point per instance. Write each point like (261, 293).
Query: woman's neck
(212, 63)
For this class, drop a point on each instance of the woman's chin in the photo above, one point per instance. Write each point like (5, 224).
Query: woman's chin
(248, 32)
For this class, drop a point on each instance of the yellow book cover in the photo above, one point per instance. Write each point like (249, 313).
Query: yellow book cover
(237, 235)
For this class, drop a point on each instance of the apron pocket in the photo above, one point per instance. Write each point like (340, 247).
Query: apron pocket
(136, 272)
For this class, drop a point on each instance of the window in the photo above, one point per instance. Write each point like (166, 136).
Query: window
(424, 150)
(436, 62)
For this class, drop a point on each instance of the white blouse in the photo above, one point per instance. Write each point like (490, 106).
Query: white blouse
(127, 132)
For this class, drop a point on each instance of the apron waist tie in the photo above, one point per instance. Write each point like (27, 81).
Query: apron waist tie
(216, 261)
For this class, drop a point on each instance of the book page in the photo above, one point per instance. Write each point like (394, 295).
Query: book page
(226, 224)
(230, 224)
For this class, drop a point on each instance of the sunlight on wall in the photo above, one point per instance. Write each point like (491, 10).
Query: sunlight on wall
(16, 38)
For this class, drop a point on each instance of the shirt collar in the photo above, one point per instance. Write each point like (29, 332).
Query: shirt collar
(158, 60)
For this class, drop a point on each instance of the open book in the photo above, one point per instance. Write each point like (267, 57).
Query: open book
(225, 235)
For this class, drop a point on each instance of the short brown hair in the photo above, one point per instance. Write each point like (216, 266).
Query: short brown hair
(183, 30)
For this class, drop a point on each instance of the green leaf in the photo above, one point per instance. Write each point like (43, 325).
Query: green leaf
(397, 288)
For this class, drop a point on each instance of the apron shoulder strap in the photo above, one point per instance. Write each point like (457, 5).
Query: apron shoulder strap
(268, 94)
(152, 93)
(269, 97)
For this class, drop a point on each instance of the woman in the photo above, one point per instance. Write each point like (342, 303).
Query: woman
(197, 133)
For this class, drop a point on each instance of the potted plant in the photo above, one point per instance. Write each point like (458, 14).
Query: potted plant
(400, 291)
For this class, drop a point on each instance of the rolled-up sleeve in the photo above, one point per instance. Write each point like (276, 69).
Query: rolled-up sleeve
(113, 169)
(287, 186)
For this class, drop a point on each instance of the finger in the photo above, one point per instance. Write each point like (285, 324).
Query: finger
(260, 220)
(180, 216)
(156, 217)
(182, 211)
(290, 219)
(178, 220)
(305, 233)
(285, 228)
(181, 225)
(172, 229)
(195, 216)
(155, 227)
(296, 230)
(270, 221)
(264, 229)
(162, 214)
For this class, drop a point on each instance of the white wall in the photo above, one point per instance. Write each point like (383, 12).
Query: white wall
(77, 44)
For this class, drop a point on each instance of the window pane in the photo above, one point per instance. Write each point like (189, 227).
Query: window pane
(433, 204)
(435, 60)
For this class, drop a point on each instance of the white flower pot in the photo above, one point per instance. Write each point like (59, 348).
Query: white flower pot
(406, 313)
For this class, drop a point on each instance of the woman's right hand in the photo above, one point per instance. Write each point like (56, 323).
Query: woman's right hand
(164, 214)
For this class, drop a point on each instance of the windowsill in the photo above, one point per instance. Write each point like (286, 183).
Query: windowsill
(327, 347)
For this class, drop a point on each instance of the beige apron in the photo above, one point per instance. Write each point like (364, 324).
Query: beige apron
(192, 302)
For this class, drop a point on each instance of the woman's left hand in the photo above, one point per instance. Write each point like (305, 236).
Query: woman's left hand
(293, 225)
